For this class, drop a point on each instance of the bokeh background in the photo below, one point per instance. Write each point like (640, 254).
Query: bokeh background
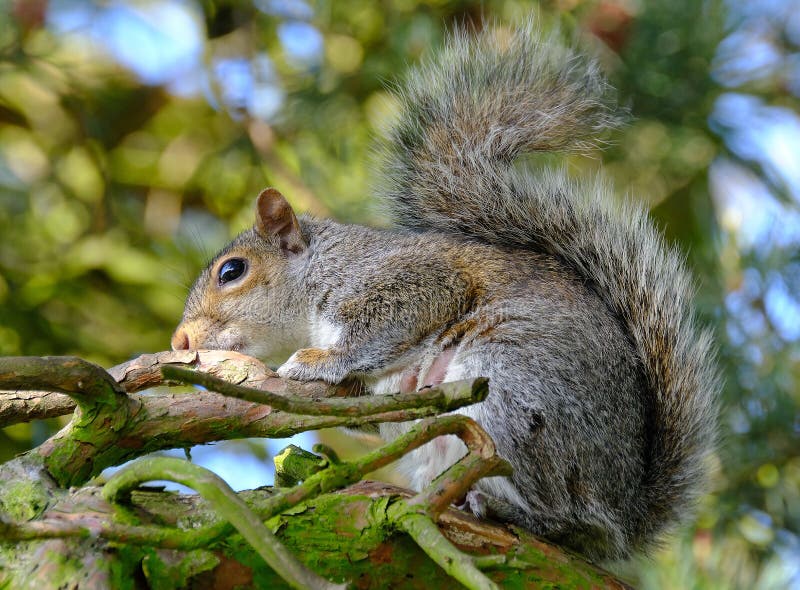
(134, 136)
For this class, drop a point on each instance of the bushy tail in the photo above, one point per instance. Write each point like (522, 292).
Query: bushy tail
(447, 165)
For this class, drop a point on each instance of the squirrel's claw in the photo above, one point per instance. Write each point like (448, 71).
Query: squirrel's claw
(314, 364)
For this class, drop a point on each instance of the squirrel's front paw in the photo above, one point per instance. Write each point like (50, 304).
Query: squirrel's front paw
(312, 364)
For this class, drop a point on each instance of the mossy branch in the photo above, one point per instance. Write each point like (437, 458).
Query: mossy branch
(324, 479)
(342, 535)
(115, 427)
(113, 424)
(415, 516)
(430, 539)
(445, 397)
(227, 505)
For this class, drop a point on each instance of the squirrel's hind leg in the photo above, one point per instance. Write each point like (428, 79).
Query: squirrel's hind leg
(589, 538)
(486, 506)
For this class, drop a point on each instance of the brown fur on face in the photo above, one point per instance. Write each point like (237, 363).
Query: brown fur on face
(228, 317)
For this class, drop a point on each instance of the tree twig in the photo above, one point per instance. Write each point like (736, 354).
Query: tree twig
(332, 477)
(431, 540)
(446, 397)
(414, 516)
(227, 504)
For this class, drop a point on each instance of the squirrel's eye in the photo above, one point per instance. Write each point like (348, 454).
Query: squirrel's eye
(231, 270)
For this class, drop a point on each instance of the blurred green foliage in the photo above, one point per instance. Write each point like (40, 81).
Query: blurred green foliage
(115, 187)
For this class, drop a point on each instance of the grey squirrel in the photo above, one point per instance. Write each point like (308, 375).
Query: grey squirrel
(602, 387)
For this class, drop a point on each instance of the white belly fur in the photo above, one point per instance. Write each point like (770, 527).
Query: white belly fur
(424, 464)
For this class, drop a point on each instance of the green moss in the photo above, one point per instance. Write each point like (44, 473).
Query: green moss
(23, 499)
(169, 570)
(293, 465)
(547, 564)
(122, 568)
(53, 569)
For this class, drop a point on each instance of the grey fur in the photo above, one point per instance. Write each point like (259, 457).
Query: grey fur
(466, 115)
(602, 388)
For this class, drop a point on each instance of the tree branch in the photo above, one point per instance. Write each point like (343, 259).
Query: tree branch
(343, 535)
(26, 406)
(89, 385)
(125, 427)
(415, 516)
(112, 426)
(27, 402)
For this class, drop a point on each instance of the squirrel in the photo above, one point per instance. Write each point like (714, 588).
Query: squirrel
(603, 387)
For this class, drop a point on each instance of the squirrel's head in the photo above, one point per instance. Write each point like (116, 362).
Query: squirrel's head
(244, 299)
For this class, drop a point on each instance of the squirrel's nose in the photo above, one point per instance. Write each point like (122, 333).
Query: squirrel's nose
(180, 340)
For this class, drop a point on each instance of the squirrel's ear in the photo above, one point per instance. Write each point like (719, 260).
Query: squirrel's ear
(274, 217)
